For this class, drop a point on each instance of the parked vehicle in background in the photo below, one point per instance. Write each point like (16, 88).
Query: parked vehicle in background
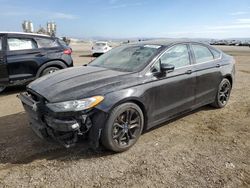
(25, 57)
(127, 90)
(100, 48)
(230, 42)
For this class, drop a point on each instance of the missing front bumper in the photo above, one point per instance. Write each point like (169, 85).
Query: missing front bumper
(64, 130)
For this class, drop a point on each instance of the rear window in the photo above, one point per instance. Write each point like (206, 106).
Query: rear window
(21, 44)
(46, 43)
(202, 53)
(100, 44)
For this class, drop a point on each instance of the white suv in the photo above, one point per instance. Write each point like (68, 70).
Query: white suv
(100, 48)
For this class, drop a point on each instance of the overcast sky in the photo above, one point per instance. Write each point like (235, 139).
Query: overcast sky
(132, 18)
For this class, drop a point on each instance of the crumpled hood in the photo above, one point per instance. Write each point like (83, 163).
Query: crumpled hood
(81, 82)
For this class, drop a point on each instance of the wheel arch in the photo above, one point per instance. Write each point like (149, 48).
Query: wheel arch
(134, 100)
(229, 77)
(53, 63)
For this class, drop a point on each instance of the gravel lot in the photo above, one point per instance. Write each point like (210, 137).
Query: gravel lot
(206, 148)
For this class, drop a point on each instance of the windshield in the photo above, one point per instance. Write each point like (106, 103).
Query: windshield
(126, 58)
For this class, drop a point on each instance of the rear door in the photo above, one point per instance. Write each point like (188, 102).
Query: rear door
(23, 57)
(51, 47)
(4, 78)
(207, 66)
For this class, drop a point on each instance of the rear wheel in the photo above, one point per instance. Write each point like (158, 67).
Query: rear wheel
(223, 94)
(49, 70)
(2, 88)
(123, 127)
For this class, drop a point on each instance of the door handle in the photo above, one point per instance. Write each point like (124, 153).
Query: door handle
(218, 66)
(189, 72)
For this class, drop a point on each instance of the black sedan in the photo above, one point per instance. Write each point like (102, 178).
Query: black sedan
(130, 89)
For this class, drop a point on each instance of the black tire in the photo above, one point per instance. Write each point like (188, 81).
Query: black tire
(2, 88)
(125, 122)
(223, 94)
(49, 70)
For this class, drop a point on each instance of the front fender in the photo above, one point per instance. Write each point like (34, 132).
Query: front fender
(113, 99)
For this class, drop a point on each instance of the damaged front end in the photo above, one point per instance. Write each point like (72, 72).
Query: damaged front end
(60, 122)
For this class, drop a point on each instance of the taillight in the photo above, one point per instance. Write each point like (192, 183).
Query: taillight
(67, 51)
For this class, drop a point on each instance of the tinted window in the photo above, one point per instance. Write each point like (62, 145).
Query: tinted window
(46, 43)
(21, 44)
(177, 56)
(202, 53)
(100, 44)
(127, 58)
(216, 53)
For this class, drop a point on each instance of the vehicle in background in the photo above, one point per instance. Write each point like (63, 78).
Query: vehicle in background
(100, 48)
(230, 42)
(27, 56)
(132, 88)
(245, 43)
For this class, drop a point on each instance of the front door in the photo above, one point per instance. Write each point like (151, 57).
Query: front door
(174, 92)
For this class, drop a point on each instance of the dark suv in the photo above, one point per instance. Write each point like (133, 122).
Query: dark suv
(25, 57)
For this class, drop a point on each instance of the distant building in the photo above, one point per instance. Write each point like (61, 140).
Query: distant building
(29, 28)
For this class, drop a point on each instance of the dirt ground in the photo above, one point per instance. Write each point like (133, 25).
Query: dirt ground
(206, 148)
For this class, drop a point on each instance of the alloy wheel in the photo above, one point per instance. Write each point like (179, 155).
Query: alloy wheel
(126, 127)
(52, 70)
(224, 93)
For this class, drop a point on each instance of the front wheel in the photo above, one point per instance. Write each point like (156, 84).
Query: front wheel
(223, 94)
(123, 127)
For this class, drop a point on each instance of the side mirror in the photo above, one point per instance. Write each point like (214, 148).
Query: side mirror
(167, 67)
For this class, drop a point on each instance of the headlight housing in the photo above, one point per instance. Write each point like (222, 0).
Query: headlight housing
(75, 105)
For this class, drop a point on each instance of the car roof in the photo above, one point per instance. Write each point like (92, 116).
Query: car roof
(168, 42)
(23, 33)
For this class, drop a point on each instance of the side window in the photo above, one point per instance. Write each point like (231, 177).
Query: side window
(46, 43)
(177, 56)
(202, 53)
(216, 53)
(21, 44)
